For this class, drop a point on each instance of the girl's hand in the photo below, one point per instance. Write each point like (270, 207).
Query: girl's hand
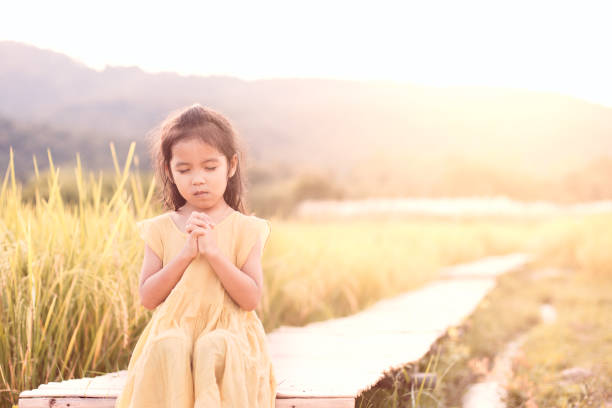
(207, 243)
(196, 226)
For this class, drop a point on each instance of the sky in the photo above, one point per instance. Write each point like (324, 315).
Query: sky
(558, 46)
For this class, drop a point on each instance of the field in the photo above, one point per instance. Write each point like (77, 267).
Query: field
(69, 303)
(562, 361)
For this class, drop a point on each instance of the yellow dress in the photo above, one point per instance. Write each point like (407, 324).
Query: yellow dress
(200, 349)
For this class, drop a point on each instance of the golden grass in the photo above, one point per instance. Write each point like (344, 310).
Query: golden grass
(321, 270)
(580, 291)
(69, 304)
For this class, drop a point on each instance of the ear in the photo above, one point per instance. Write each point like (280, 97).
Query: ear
(233, 165)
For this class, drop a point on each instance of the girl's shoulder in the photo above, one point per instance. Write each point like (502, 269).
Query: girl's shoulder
(250, 221)
(249, 229)
(160, 221)
(154, 231)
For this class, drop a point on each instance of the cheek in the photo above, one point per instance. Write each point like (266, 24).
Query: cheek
(221, 176)
(219, 180)
(182, 180)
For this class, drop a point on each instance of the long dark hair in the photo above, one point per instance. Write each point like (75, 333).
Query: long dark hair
(212, 128)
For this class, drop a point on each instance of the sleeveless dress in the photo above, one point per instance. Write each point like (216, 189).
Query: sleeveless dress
(200, 349)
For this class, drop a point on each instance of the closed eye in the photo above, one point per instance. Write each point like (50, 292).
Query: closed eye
(207, 168)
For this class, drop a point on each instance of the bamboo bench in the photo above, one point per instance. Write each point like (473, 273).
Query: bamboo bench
(330, 363)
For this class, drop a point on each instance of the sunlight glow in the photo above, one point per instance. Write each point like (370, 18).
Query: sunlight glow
(540, 45)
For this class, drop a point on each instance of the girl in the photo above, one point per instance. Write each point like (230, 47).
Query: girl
(204, 345)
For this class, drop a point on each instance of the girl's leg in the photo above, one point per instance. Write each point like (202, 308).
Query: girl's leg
(164, 379)
(220, 371)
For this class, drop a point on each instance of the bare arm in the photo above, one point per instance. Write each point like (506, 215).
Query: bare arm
(156, 282)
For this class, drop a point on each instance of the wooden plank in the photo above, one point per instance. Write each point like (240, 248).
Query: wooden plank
(46, 402)
(315, 403)
(339, 367)
(434, 307)
(329, 363)
(103, 386)
(348, 355)
(73, 402)
(489, 267)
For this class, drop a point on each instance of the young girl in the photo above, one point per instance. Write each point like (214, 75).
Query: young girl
(204, 345)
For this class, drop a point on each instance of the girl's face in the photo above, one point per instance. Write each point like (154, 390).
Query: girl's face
(200, 172)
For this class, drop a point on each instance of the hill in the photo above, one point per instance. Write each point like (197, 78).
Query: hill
(404, 132)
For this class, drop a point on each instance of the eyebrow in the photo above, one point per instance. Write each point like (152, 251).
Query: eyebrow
(207, 160)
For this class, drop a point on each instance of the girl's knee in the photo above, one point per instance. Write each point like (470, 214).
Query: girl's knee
(213, 340)
(172, 341)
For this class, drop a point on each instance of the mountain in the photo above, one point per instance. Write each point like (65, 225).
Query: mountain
(30, 139)
(329, 124)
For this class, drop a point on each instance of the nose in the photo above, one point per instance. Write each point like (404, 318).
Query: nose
(199, 178)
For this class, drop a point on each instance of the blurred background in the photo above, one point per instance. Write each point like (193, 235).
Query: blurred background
(334, 100)
(384, 140)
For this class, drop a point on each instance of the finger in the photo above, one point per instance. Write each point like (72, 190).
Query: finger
(190, 226)
(197, 231)
(201, 220)
(197, 223)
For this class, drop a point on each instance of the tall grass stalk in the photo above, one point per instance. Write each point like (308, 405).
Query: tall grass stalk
(68, 301)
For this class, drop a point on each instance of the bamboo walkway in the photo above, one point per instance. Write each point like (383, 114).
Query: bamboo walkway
(330, 363)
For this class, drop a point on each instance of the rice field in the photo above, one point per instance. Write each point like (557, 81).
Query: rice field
(69, 304)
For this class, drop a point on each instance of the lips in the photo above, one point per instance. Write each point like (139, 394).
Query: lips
(199, 193)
